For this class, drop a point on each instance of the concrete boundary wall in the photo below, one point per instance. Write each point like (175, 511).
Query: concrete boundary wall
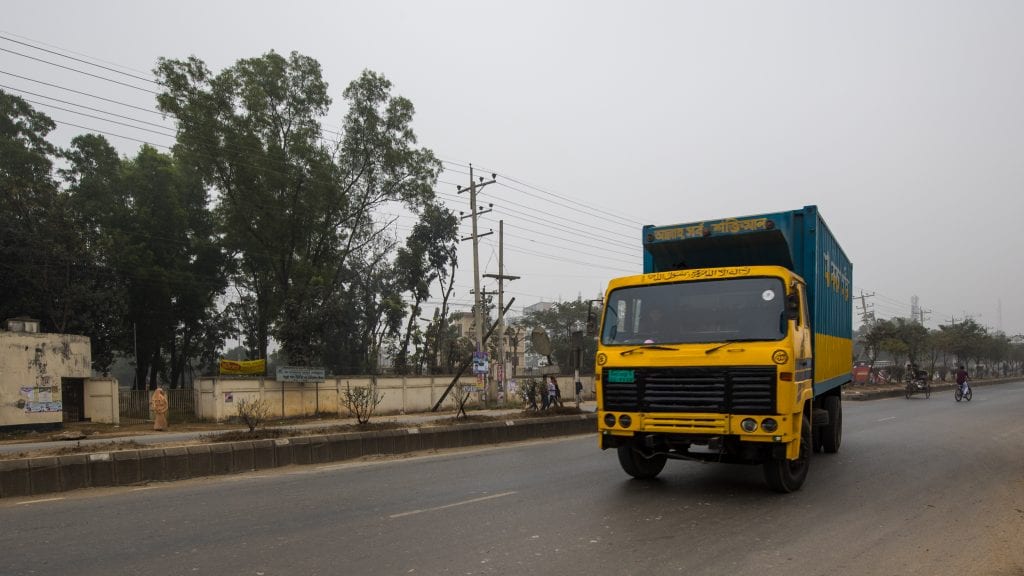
(32, 476)
(218, 397)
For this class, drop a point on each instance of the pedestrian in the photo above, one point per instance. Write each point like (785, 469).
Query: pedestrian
(158, 404)
(531, 395)
(545, 396)
(554, 392)
(579, 393)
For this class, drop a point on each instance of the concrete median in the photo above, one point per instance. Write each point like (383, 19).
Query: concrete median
(31, 476)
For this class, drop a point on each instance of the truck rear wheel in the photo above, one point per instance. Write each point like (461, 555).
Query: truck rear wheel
(832, 433)
(784, 475)
(638, 466)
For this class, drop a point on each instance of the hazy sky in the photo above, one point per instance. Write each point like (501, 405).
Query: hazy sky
(902, 121)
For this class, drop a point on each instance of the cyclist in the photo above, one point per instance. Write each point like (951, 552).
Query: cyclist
(961, 378)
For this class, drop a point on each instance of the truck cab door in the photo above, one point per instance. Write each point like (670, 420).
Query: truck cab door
(801, 325)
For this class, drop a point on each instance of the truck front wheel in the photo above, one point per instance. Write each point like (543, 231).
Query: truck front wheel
(784, 475)
(638, 466)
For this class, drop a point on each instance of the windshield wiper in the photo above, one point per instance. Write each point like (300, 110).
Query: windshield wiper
(646, 347)
(727, 342)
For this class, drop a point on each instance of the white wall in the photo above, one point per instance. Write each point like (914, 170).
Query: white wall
(31, 368)
(219, 396)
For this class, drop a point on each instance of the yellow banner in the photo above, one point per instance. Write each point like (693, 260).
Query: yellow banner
(243, 366)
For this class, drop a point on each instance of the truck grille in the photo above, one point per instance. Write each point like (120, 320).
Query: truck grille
(736, 389)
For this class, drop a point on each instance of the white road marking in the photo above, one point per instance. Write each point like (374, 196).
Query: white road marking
(452, 505)
(887, 419)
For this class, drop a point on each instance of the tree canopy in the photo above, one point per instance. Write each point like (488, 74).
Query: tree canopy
(901, 341)
(301, 212)
(259, 223)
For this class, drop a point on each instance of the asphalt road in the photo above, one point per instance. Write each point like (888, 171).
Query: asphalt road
(920, 486)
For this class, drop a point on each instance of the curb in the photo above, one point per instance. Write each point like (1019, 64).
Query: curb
(45, 475)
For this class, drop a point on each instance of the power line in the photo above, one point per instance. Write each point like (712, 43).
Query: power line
(69, 51)
(103, 119)
(79, 92)
(83, 72)
(538, 189)
(80, 106)
(77, 60)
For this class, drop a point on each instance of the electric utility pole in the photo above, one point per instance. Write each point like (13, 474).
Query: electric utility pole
(501, 277)
(866, 315)
(473, 213)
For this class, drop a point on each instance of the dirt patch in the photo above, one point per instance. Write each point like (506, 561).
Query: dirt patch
(68, 450)
(270, 433)
(554, 411)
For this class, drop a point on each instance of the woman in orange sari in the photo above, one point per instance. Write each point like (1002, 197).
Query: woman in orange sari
(158, 404)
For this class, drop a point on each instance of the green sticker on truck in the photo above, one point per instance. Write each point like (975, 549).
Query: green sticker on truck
(621, 376)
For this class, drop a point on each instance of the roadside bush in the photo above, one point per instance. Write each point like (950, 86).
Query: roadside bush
(252, 413)
(361, 401)
(460, 396)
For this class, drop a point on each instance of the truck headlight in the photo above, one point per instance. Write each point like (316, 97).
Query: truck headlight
(609, 420)
(625, 421)
(749, 425)
(770, 425)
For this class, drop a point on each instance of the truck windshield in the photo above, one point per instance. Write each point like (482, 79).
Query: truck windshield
(696, 312)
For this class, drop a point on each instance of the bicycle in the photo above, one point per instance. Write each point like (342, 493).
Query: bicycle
(963, 392)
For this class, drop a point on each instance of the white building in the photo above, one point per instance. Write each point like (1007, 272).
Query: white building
(45, 379)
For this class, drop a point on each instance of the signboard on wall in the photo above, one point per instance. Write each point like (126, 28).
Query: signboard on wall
(300, 374)
(243, 366)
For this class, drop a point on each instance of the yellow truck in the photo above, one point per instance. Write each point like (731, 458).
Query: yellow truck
(732, 346)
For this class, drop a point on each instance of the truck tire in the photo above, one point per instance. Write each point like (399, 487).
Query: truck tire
(637, 466)
(785, 476)
(832, 433)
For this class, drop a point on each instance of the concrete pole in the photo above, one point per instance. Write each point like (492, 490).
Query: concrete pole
(477, 301)
(501, 307)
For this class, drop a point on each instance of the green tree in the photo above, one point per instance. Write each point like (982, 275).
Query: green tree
(29, 203)
(299, 213)
(428, 252)
(93, 180)
(253, 132)
(148, 222)
(49, 264)
(561, 321)
(966, 340)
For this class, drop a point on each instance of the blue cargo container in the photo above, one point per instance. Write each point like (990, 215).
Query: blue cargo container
(798, 240)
